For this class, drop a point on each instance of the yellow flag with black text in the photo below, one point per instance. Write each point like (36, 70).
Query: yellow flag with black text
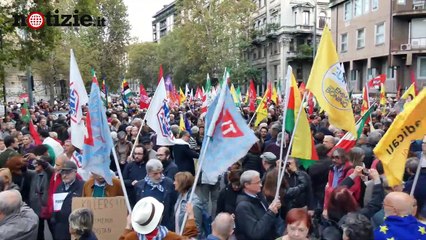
(327, 83)
(393, 148)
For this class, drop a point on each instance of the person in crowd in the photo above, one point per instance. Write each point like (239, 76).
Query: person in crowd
(17, 220)
(96, 186)
(11, 144)
(2, 145)
(319, 175)
(183, 183)
(18, 167)
(7, 180)
(300, 180)
(144, 222)
(275, 129)
(69, 188)
(81, 224)
(227, 200)
(170, 168)
(39, 185)
(356, 226)
(329, 142)
(298, 223)
(135, 171)
(222, 227)
(356, 156)
(156, 185)
(27, 144)
(123, 148)
(147, 143)
(400, 222)
(183, 155)
(420, 191)
(340, 169)
(275, 148)
(252, 160)
(269, 162)
(55, 146)
(254, 218)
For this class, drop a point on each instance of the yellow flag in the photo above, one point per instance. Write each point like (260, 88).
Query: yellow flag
(410, 91)
(394, 146)
(262, 110)
(182, 124)
(247, 97)
(233, 93)
(328, 85)
(382, 94)
(274, 95)
(182, 96)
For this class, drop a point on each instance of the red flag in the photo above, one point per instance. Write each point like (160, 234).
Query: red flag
(375, 82)
(311, 103)
(34, 133)
(160, 74)
(143, 98)
(252, 96)
(269, 92)
(365, 103)
(413, 81)
(302, 88)
(199, 93)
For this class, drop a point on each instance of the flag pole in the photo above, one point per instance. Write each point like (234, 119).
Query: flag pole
(197, 176)
(210, 131)
(126, 196)
(416, 178)
(279, 182)
(257, 109)
(137, 136)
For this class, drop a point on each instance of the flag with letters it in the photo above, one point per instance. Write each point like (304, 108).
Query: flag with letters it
(231, 139)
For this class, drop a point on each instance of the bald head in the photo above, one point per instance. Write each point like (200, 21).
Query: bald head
(399, 204)
(10, 202)
(223, 226)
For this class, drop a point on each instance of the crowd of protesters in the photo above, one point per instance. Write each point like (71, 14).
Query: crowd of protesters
(344, 195)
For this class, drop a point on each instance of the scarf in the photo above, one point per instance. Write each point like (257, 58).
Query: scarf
(155, 185)
(158, 234)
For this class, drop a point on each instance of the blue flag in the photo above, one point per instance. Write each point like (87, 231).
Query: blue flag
(187, 125)
(231, 137)
(97, 147)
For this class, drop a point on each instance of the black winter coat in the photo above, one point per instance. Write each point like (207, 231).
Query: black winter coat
(254, 221)
(61, 224)
(184, 158)
(227, 201)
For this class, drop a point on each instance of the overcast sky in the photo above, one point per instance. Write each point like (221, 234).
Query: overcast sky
(140, 16)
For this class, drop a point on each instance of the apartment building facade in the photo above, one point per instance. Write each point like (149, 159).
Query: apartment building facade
(164, 21)
(284, 33)
(380, 37)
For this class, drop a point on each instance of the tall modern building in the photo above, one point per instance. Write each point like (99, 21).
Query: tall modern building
(284, 33)
(163, 22)
(381, 37)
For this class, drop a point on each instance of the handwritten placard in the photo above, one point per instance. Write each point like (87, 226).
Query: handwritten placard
(110, 215)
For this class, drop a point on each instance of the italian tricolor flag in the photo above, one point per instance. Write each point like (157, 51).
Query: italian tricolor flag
(348, 141)
(303, 147)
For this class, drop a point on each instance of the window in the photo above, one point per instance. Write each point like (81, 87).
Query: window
(357, 8)
(374, 5)
(306, 16)
(360, 38)
(322, 20)
(348, 11)
(344, 42)
(421, 72)
(401, 2)
(380, 33)
(366, 4)
(295, 18)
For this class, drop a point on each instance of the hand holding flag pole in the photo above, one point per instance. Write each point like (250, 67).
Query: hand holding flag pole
(210, 130)
(289, 147)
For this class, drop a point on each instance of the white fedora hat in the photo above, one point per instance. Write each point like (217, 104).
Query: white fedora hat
(146, 215)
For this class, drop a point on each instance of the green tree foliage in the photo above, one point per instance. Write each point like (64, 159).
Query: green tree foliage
(205, 39)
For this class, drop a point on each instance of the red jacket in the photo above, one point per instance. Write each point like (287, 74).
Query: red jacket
(355, 189)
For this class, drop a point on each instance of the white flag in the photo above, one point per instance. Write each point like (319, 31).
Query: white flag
(158, 116)
(78, 98)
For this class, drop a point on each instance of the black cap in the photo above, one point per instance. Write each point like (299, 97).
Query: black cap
(69, 165)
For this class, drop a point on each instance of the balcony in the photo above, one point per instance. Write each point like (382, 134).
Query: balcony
(163, 25)
(300, 28)
(411, 8)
